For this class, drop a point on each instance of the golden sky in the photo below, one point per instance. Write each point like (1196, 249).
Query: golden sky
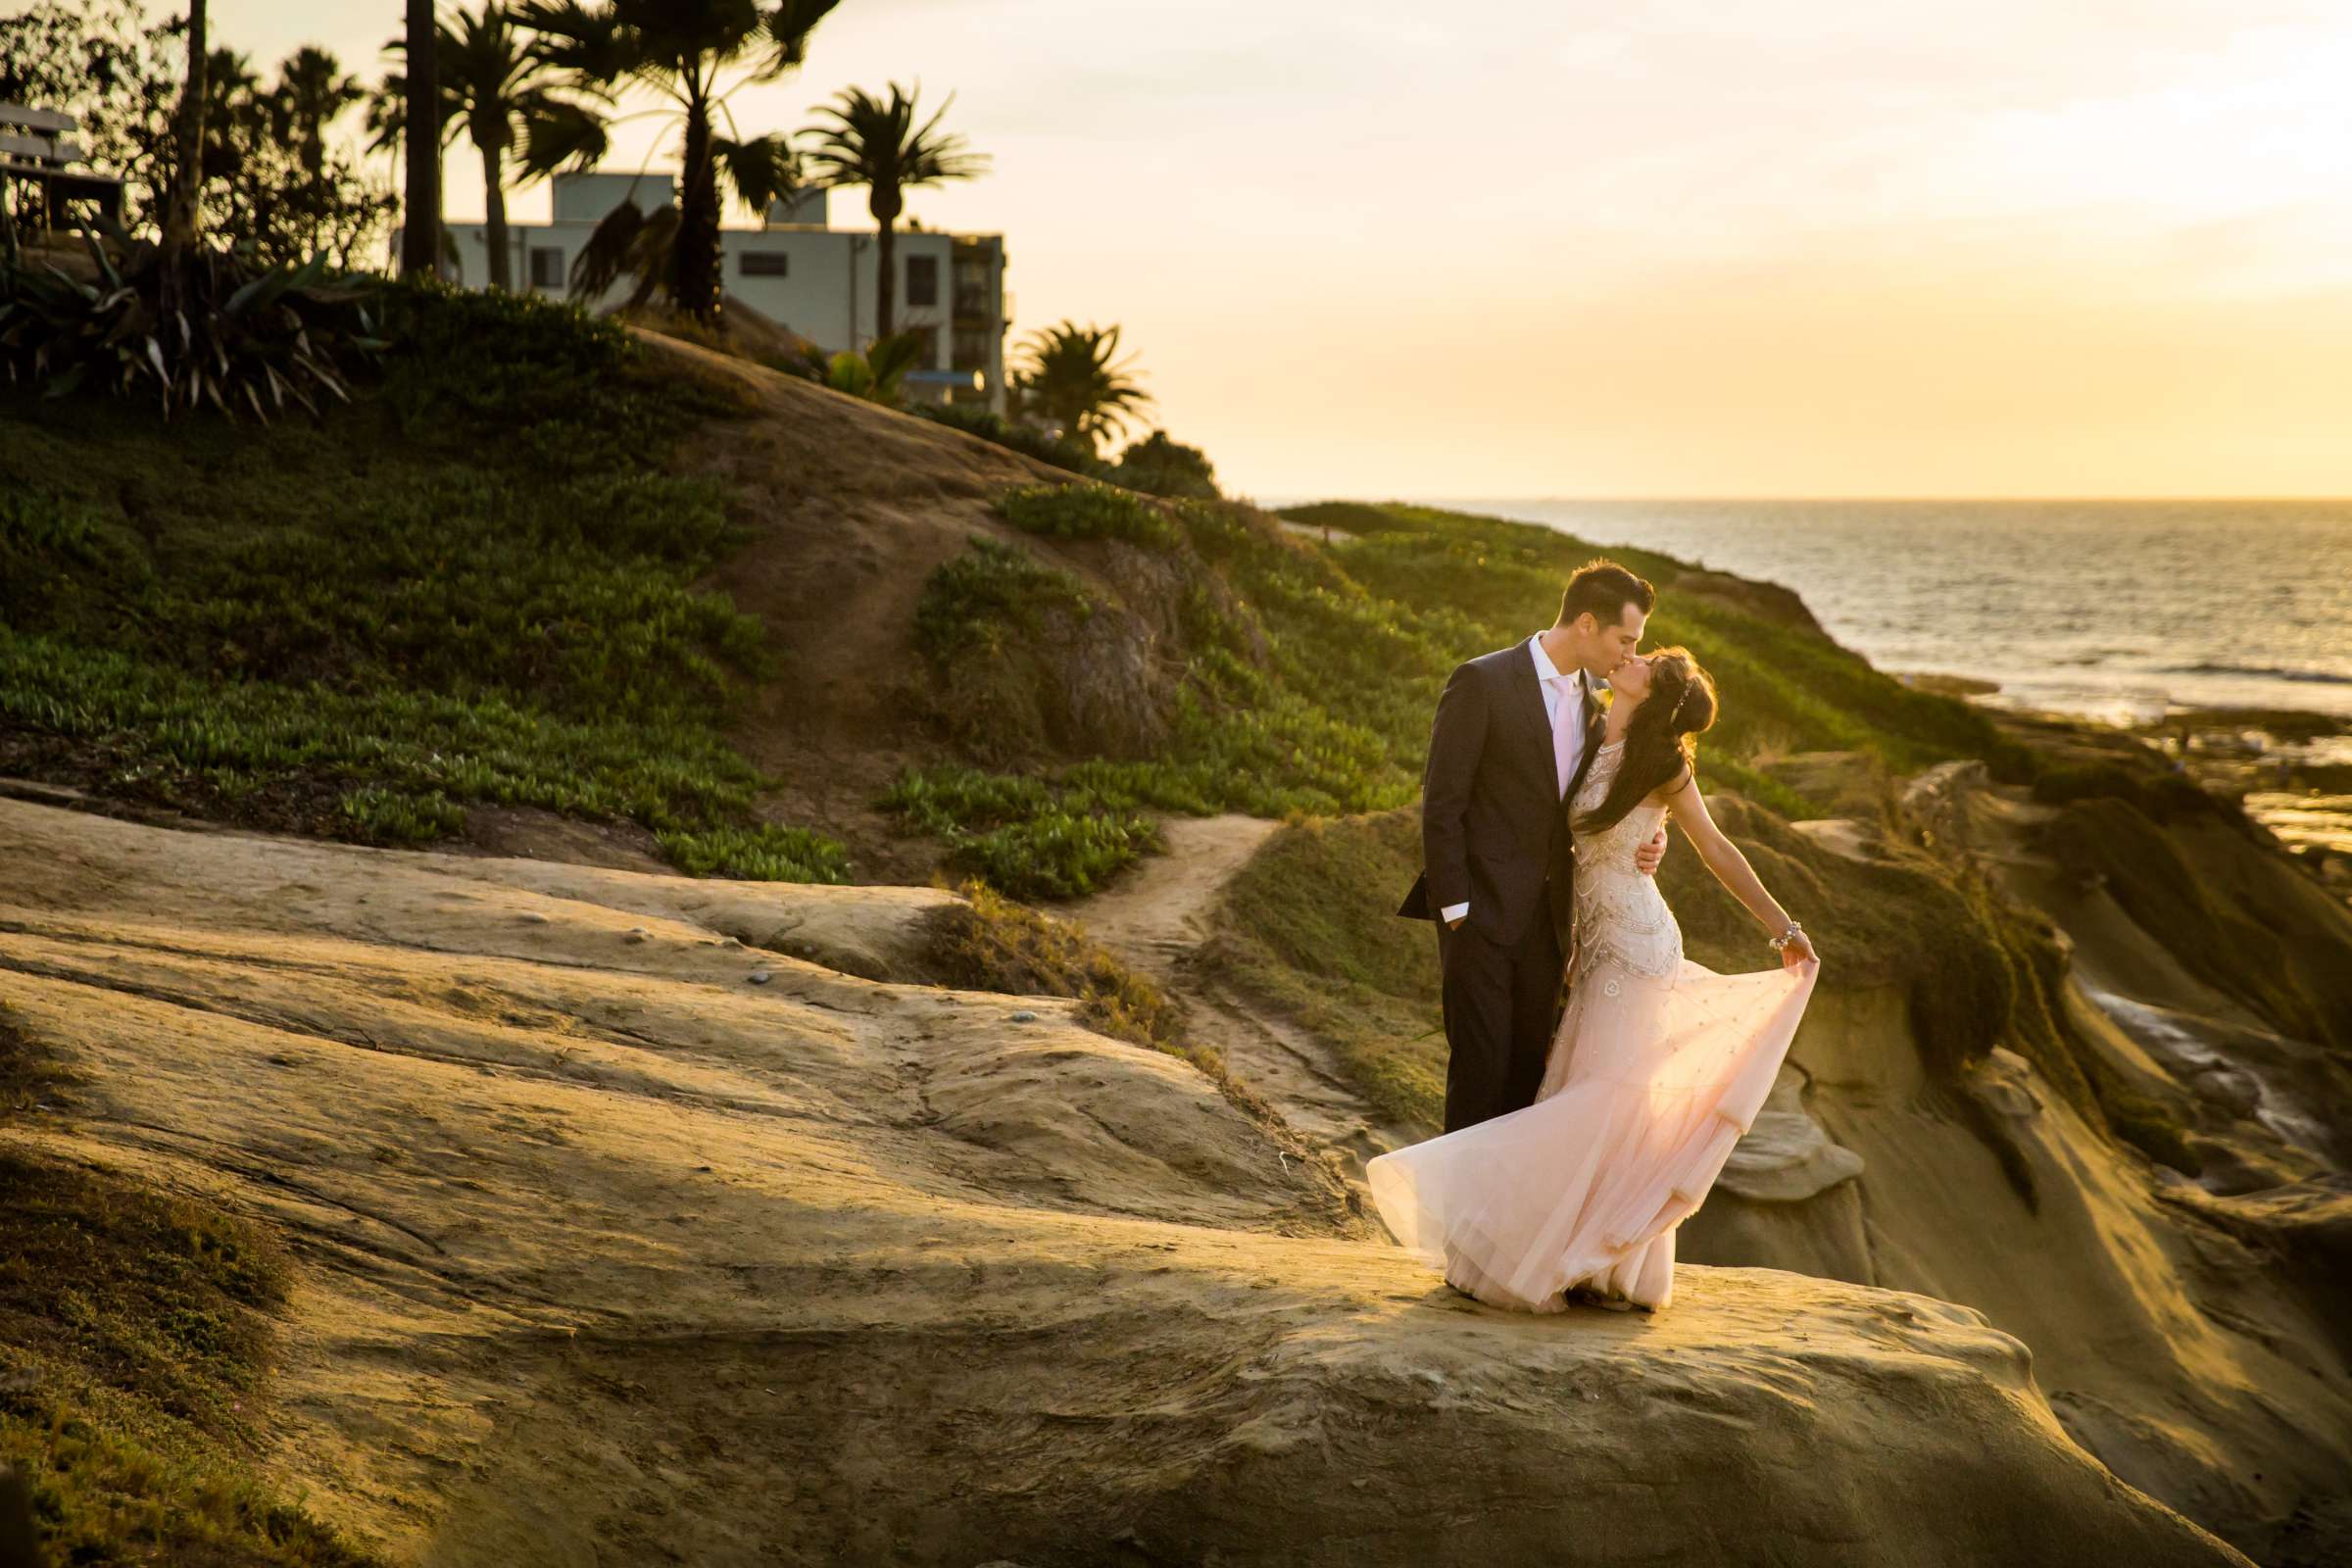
(1697, 248)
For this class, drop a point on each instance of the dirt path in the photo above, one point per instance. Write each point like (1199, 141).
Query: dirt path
(1159, 917)
(1158, 912)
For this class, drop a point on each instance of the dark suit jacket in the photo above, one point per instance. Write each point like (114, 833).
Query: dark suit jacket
(1494, 823)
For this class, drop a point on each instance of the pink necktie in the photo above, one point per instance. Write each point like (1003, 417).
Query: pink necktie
(1563, 729)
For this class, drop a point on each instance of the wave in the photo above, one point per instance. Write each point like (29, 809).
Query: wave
(2321, 677)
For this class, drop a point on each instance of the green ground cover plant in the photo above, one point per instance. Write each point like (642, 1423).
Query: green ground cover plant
(1310, 671)
(1087, 512)
(473, 586)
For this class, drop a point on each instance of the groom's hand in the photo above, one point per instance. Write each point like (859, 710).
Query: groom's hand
(1647, 856)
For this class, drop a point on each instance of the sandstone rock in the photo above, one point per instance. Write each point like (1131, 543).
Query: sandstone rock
(950, 1292)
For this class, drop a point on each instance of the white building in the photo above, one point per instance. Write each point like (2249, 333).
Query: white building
(798, 270)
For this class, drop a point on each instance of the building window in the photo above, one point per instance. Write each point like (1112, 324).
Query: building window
(546, 266)
(971, 349)
(922, 281)
(972, 286)
(765, 263)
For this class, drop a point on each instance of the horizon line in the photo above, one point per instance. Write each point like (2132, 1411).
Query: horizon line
(1430, 500)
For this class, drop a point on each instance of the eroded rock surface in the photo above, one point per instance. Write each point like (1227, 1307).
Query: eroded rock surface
(610, 1256)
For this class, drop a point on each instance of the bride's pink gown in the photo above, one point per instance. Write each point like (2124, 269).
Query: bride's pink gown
(1658, 1066)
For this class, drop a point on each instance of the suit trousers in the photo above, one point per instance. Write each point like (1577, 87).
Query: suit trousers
(1502, 1005)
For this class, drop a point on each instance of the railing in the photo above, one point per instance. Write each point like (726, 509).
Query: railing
(36, 146)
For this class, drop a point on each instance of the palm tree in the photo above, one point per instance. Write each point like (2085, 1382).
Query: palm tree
(502, 91)
(878, 145)
(387, 132)
(387, 114)
(312, 91)
(681, 49)
(183, 212)
(237, 113)
(1069, 378)
(421, 216)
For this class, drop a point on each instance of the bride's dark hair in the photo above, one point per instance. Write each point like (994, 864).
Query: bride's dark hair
(1680, 704)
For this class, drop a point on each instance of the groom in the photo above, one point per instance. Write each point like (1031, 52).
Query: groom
(1514, 732)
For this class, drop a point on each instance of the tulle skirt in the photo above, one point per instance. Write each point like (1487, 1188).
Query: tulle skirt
(1649, 1085)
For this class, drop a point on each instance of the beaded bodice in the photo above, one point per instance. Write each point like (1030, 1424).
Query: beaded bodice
(1620, 917)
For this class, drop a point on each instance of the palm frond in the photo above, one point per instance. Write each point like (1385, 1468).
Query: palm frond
(1072, 378)
(762, 172)
(788, 25)
(560, 134)
(875, 142)
(628, 242)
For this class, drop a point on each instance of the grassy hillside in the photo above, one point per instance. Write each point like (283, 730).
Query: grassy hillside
(488, 585)
(474, 587)
(1309, 928)
(1282, 675)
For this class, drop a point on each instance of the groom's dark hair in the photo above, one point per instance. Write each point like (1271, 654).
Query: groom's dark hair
(1605, 588)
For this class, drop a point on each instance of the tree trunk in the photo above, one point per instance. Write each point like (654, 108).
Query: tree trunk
(184, 214)
(694, 265)
(887, 205)
(421, 216)
(502, 264)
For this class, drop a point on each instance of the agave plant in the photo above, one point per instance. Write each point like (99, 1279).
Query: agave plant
(195, 328)
(875, 375)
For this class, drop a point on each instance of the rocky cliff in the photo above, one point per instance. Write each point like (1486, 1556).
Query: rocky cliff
(618, 1238)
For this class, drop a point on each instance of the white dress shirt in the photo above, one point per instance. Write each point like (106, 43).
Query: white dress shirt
(1564, 698)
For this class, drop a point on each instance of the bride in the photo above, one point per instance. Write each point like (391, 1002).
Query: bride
(1658, 1064)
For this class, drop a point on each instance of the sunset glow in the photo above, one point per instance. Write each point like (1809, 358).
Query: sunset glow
(1823, 248)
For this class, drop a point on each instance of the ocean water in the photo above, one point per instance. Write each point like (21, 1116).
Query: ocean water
(2114, 609)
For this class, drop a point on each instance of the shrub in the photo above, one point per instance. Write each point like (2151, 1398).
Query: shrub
(973, 602)
(1087, 512)
(1160, 467)
(1348, 517)
(974, 418)
(378, 815)
(1056, 854)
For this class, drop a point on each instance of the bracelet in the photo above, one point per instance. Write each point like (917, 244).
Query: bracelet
(1776, 944)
